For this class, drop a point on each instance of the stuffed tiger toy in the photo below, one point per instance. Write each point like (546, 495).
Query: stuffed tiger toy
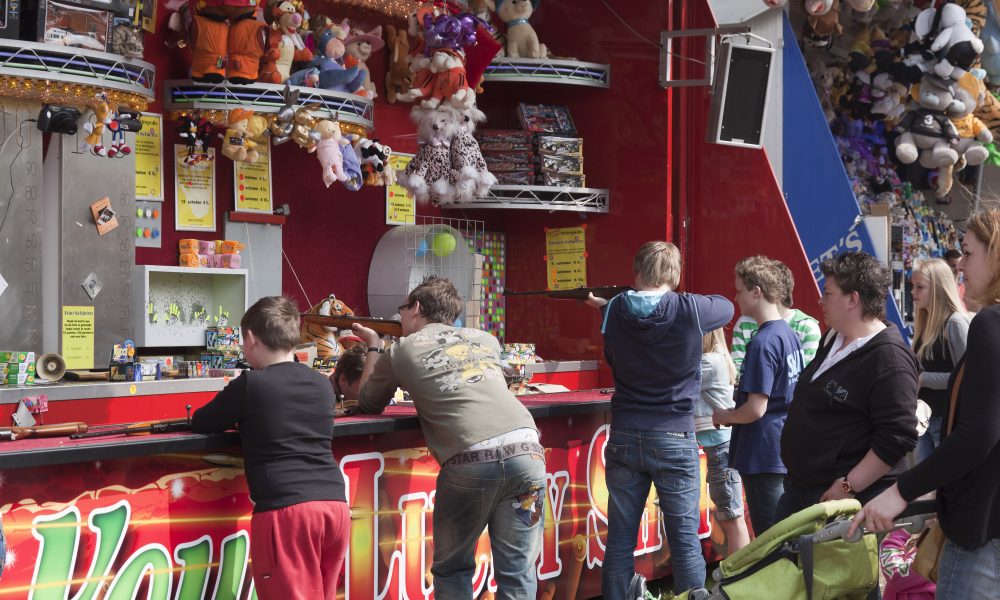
(975, 11)
(327, 345)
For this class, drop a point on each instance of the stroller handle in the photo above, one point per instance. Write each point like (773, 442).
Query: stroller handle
(912, 519)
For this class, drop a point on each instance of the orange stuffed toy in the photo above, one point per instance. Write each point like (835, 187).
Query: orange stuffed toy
(227, 41)
(284, 44)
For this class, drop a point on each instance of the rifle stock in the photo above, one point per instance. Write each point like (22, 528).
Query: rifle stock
(380, 326)
(141, 428)
(606, 292)
(54, 430)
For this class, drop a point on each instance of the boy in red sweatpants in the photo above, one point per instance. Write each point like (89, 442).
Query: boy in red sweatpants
(300, 528)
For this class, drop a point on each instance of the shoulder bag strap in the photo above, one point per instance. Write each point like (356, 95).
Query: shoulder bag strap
(954, 399)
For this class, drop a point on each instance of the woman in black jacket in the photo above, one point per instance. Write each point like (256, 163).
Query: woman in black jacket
(965, 468)
(853, 416)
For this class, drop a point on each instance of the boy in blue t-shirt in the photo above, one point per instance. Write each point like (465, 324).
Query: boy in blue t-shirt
(767, 382)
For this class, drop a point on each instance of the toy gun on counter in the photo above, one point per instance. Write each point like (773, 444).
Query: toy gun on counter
(11, 434)
(607, 292)
(142, 428)
(380, 326)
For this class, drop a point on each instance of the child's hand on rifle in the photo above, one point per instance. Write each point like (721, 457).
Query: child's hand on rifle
(595, 301)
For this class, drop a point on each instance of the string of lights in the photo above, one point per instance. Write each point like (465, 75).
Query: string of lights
(61, 92)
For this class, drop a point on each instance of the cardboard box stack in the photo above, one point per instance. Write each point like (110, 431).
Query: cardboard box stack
(17, 367)
(558, 152)
(222, 348)
(508, 154)
(219, 254)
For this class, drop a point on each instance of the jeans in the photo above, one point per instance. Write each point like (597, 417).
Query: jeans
(969, 574)
(929, 441)
(724, 484)
(669, 461)
(763, 490)
(507, 496)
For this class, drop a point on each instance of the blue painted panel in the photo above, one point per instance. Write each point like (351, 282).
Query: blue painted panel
(817, 190)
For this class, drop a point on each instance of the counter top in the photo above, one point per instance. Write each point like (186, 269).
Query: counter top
(84, 390)
(62, 450)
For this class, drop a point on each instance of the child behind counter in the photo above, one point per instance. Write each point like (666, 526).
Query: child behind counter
(300, 527)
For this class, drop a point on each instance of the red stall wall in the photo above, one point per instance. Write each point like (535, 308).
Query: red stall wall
(734, 204)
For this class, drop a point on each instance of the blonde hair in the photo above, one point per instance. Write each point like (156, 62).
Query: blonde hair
(768, 275)
(658, 263)
(715, 341)
(943, 301)
(985, 225)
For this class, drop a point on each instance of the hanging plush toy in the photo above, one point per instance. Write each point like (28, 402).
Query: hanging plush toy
(399, 76)
(227, 41)
(302, 127)
(469, 176)
(375, 161)
(327, 70)
(972, 131)
(103, 112)
(284, 44)
(237, 145)
(948, 37)
(196, 133)
(359, 48)
(284, 120)
(118, 125)
(328, 151)
(427, 174)
(927, 134)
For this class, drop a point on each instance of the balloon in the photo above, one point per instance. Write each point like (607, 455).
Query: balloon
(422, 249)
(443, 244)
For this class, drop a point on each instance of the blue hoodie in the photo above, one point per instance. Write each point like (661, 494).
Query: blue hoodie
(654, 349)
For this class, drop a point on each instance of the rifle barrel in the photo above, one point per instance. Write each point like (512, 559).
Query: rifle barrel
(382, 326)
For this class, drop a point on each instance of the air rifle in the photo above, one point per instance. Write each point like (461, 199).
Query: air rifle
(145, 427)
(380, 326)
(607, 292)
(54, 430)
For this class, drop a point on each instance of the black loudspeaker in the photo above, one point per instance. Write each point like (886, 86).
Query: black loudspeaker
(740, 95)
(58, 119)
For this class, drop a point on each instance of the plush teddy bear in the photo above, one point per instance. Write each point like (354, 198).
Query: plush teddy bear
(972, 131)
(327, 71)
(432, 163)
(949, 38)
(399, 76)
(470, 178)
(284, 44)
(227, 41)
(237, 145)
(927, 134)
(522, 41)
(359, 48)
(328, 150)
(303, 122)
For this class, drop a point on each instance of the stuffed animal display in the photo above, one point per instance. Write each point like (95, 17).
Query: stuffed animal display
(327, 70)
(103, 114)
(328, 151)
(227, 41)
(902, 89)
(522, 41)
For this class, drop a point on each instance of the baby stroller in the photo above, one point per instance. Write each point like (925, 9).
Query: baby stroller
(805, 557)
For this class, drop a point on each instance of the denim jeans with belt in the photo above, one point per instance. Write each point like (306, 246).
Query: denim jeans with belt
(505, 495)
(669, 461)
(969, 574)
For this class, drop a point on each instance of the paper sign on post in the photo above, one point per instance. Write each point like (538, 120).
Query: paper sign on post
(400, 208)
(252, 182)
(78, 336)
(194, 190)
(149, 158)
(566, 257)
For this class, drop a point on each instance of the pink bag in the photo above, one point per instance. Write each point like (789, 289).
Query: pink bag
(902, 581)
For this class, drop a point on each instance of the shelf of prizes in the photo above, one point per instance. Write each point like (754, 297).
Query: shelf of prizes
(336, 152)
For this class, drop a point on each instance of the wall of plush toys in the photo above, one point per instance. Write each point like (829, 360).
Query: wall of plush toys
(910, 76)
(436, 64)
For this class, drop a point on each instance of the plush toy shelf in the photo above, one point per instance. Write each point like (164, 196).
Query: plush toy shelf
(266, 98)
(543, 70)
(62, 68)
(540, 197)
